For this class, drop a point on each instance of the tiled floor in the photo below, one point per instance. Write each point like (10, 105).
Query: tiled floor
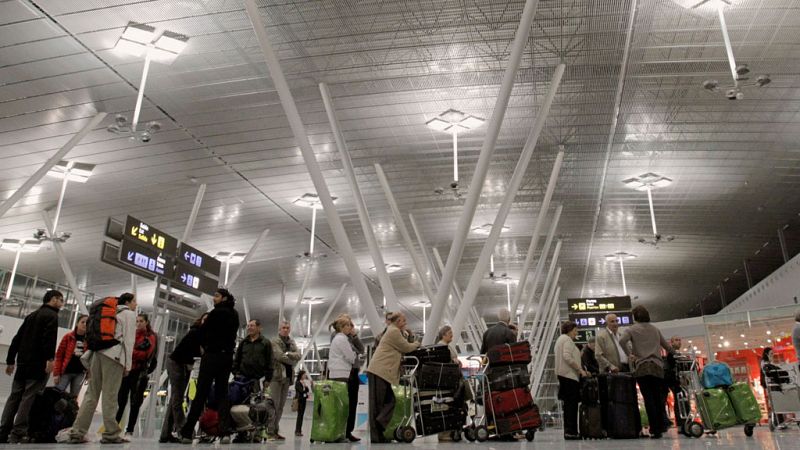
(550, 439)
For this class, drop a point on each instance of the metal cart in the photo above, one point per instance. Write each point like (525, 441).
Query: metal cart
(783, 399)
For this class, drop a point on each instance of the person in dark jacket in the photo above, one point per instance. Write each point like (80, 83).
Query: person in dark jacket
(179, 369)
(218, 339)
(588, 360)
(499, 333)
(253, 359)
(32, 354)
(135, 382)
(301, 389)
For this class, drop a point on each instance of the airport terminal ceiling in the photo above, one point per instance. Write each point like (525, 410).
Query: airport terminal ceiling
(632, 102)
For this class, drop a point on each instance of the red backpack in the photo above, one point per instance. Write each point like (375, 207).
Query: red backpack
(101, 326)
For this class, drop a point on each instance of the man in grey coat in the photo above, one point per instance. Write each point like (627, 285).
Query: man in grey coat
(285, 356)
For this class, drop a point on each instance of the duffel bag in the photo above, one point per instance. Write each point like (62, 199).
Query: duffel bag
(504, 378)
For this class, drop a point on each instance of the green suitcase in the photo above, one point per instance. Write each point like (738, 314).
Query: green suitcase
(643, 417)
(716, 409)
(329, 418)
(744, 403)
(402, 410)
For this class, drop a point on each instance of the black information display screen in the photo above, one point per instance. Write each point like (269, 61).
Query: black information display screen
(189, 277)
(149, 236)
(145, 258)
(590, 313)
(193, 257)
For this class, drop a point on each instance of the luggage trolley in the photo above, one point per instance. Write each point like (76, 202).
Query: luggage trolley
(483, 417)
(783, 397)
(689, 377)
(439, 399)
(401, 425)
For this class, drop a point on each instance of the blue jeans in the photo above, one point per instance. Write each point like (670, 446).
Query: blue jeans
(73, 381)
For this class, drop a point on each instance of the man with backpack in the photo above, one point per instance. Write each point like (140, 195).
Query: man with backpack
(110, 337)
(31, 355)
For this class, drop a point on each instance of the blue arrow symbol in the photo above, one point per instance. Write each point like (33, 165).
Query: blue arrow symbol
(183, 277)
(130, 256)
(186, 256)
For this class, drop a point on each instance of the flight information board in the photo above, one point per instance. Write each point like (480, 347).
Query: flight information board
(146, 259)
(589, 314)
(149, 236)
(193, 257)
(188, 277)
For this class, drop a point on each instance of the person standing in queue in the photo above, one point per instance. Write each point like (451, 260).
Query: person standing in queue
(383, 372)
(499, 333)
(285, 356)
(342, 358)
(672, 382)
(302, 386)
(135, 383)
(646, 343)
(253, 360)
(179, 369)
(588, 360)
(217, 339)
(611, 357)
(68, 372)
(31, 354)
(107, 367)
(569, 371)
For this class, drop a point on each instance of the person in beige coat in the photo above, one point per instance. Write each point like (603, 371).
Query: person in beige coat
(383, 372)
(611, 357)
(569, 372)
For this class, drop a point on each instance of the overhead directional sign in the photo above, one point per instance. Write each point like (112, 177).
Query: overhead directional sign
(146, 259)
(193, 257)
(590, 313)
(600, 304)
(599, 319)
(187, 278)
(149, 236)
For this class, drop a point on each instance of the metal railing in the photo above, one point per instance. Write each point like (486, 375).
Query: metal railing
(26, 297)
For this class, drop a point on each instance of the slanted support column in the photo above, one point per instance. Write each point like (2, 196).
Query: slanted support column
(361, 205)
(553, 330)
(481, 169)
(505, 208)
(538, 316)
(325, 318)
(540, 265)
(50, 163)
(247, 257)
(198, 200)
(298, 129)
(62, 259)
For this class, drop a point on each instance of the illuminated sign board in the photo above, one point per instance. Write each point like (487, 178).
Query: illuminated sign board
(149, 236)
(599, 320)
(193, 279)
(600, 304)
(192, 257)
(589, 314)
(146, 259)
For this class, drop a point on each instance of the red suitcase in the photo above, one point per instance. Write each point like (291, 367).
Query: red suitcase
(506, 402)
(516, 353)
(526, 419)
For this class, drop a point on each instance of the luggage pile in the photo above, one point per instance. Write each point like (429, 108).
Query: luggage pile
(439, 403)
(508, 397)
(723, 403)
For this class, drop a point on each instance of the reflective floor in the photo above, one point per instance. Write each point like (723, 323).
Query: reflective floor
(550, 439)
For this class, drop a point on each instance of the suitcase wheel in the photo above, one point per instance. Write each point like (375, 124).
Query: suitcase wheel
(530, 435)
(408, 434)
(398, 434)
(481, 433)
(455, 435)
(469, 434)
(748, 430)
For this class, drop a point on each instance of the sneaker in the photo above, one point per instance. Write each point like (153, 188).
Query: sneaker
(279, 437)
(352, 438)
(271, 438)
(128, 435)
(186, 440)
(78, 440)
(114, 440)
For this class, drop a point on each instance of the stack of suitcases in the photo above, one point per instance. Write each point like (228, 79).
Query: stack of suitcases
(508, 400)
(439, 404)
(724, 403)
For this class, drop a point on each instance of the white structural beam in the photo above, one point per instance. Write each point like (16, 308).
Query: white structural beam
(246, 308)
(553, 326)
(505, 208)
(198, 200)
(50, 163)
(482, 167)
(537, 348)
(541, 306)
(547, 307)
(472, 330)
(537, 229)
(62, 259)
(419, 266)
(361, 206)
(540, 265)
(247, 258)
(283, 304)
(325, 318)
(301, 294)
(298, 129)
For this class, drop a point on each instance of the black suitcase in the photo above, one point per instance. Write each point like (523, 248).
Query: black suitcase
(435, 422)
(439, 376)
(620, 388)
(52, 411)
(432, 354)
(506, 378)
(591, 422)
(623, 420)
(590, 391)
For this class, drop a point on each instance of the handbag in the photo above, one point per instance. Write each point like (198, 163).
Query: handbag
(648, 368)
(295, 404)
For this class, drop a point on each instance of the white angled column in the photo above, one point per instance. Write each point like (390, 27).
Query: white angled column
(540, 265)
(553, 262)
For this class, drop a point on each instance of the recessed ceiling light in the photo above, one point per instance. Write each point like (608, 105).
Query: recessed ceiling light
(390, 268)
(79, 172)
(23, 246)
(310, 200)
(313, 300)
(486, 228)
(422, 304)
(231, 257)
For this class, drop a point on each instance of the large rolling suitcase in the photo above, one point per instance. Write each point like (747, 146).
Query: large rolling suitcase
(504, 378)
(436, 422)
(524, 419)
(620, 388)
(622, 420)
(590, 422)
(744, 403)
(504, 354)
(716, 409)
(590, 391)
(439, 376)
(432, 354)
(402, 410)
(329, 418)
(506, 402)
